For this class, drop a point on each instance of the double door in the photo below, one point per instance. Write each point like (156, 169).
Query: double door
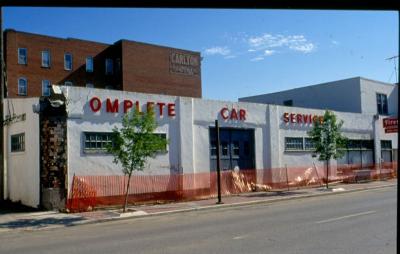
(236, 148)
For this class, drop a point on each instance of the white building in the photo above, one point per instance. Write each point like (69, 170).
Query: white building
(44, 152)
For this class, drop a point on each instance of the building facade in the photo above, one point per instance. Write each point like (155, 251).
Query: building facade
(35, 62)
(51, 140)
(357, 95)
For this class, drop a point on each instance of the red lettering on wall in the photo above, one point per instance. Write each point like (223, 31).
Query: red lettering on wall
(292, 119)
(234, 115)
(127, 105)
(305, 118)
(171, 109)
(137, 105)
(321, 119)
(150, 106)
(112, 107)
(315, 118)
(286, 117)
(95, 104)
(299, 118)
(242, 114)
(160, 107)
(223, 115)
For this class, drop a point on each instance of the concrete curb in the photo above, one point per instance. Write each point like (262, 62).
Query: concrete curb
(210, 207)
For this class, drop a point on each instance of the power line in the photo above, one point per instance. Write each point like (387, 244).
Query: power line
(395, 68)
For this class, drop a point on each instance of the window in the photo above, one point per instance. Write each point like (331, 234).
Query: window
(308, 144)
(386, 145)
(109, 66)
(288, 103)
(46, 87)
(22, 56)
(22, 86)
(213, 148)
(89, 85)
(96, 142)
(68, 83)
(67, 61)
(235, 148)
(89, 64)
(293, 143)
(46, 59)
(381, 101)
(18, 142)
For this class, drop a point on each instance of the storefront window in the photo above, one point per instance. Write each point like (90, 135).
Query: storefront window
(308, 144)
(96, 141)
(293, 143)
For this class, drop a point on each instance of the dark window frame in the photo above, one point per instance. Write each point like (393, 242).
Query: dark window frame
(26, 86)
(382, 104)
(17, 143)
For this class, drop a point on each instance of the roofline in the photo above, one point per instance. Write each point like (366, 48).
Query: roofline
(320, 84)
(298, 88)
(161, 46)
(54, 37)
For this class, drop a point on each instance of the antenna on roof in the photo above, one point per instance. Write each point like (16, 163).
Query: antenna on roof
(395, 69)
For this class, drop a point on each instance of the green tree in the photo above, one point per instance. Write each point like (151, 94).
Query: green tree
(134, 143)
(328, 139)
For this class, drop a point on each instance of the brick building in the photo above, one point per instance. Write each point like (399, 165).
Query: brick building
(34, 62)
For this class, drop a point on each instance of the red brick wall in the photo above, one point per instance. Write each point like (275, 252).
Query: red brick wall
(35, 73)
(146, 68)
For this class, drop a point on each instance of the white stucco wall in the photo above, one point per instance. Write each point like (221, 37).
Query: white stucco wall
(188, 132)
(23, 168)
(82, 119)
(370, 88)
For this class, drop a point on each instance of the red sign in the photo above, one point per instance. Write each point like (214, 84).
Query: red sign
(113, 106)
(301, 118)
(390, 124)
(233, 114)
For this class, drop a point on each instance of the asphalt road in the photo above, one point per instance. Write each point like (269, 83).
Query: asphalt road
(359, 222)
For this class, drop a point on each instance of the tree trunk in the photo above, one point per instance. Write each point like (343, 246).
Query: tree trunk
(327, 173)
(126, 193)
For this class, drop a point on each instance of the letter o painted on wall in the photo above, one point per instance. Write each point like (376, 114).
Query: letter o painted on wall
(95, 104)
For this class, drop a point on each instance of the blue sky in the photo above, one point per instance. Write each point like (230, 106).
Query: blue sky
(246, 52)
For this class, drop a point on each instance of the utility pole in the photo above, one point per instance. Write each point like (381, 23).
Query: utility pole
(395, 68)
(218, 163)
(1, 108)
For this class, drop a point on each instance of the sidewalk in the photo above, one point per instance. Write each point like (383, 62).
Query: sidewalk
(51, 219)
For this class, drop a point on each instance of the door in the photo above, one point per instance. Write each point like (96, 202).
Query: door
(236, 146)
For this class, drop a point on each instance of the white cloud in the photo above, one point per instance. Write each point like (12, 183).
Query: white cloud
(259, 58)
(267, 41)
(230, 57)
(268, 52)
(224, 51)
(335, 42)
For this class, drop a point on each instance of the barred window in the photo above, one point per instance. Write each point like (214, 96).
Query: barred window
(386, 145)
(309, 144)
(293, 143)
(96, 142)
(18, 142)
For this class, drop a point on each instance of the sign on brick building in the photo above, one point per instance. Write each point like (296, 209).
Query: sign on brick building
(186, 64)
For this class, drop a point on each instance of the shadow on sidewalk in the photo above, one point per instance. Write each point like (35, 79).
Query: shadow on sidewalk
(39, 223)
(275, 193)
(7, 206)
